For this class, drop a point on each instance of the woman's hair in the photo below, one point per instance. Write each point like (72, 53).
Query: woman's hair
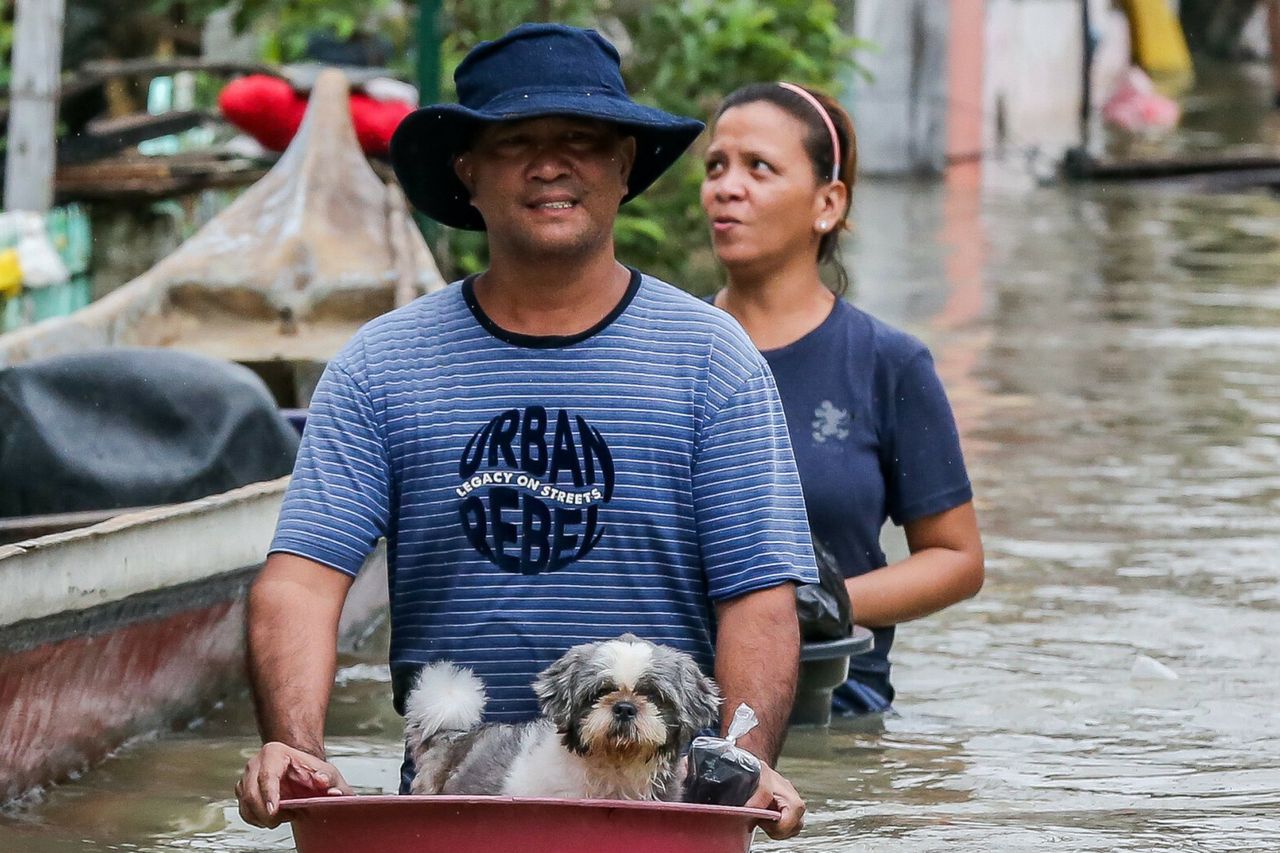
(817, 144)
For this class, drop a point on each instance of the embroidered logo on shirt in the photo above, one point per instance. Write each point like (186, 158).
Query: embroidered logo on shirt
(830, 422)
(532, 487)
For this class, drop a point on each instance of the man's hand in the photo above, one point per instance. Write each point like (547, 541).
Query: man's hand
(281, 772)
(294, 608)
(777, 794)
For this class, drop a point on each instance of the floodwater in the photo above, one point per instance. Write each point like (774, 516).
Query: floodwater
(1113, 355)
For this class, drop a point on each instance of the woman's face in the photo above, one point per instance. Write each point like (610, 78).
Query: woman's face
(760, 191)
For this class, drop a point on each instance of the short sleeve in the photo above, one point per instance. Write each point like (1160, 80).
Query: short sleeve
(337, 504)
(748, 506)
(924, 467)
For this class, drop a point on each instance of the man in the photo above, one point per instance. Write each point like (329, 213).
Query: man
(557, 451)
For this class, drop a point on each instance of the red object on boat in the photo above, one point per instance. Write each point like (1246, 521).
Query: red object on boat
(452, 824)
(270, 110)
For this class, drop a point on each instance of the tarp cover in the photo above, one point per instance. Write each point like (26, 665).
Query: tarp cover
(320, 235)
(134, 427)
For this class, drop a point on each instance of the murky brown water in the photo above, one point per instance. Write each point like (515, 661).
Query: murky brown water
(1114, 358)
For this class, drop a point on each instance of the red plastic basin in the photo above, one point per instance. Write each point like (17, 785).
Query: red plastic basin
(410, 824)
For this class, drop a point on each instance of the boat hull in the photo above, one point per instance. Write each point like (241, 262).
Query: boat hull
(133, 625)
(69, 703)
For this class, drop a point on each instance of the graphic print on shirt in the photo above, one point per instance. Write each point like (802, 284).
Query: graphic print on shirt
(532, 485)
(830, 422)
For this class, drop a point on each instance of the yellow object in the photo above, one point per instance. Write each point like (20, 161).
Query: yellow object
(10, 273)
(1157, 40)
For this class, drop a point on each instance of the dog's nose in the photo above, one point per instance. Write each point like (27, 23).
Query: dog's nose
(624, 710)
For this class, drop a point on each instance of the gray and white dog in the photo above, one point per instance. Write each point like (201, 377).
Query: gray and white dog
(616, 716)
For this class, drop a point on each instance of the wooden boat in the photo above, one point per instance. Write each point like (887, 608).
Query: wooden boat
(132, 624)
(1230, 171)
(126, 625)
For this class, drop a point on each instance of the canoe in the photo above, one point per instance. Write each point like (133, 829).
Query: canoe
(1227, 171)
(134, 622)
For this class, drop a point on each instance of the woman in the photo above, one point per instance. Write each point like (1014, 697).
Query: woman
(871, 427)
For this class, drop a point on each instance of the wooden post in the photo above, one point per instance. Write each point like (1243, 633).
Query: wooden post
(428, 51)
(1273, 37)
(37, 67)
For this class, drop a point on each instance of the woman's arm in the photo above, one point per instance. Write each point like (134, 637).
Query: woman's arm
(945, 566)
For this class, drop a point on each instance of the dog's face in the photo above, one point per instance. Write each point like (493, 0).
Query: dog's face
(627, 698)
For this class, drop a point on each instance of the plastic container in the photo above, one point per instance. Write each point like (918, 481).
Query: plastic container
(446, 824)
(824, 667)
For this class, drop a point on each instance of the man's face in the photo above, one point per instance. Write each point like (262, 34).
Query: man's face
(548, 186)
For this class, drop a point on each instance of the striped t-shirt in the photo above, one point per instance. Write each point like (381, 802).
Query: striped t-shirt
(536, 492)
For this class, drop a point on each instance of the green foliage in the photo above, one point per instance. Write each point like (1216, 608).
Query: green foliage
(285, 24)
(466, 24)
(6, 48)
(699, 51)
(682, 56)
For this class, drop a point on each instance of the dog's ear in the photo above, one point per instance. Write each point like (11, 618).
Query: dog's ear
(704, 703)
(559, 687)
(696, 696)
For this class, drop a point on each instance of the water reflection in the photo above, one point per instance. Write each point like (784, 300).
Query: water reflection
(1126, 453)
(1114, 356)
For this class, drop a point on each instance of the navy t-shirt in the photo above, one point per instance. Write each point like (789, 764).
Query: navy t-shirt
(874, 438)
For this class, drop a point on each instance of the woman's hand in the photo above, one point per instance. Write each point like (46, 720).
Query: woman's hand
(281, 772)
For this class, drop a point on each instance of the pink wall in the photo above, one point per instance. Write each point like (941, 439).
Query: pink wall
(965, 59)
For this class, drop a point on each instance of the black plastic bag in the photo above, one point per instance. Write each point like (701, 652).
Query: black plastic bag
(823, 607)
(721, 774)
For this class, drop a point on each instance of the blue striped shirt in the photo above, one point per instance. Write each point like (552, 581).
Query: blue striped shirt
(537, 493)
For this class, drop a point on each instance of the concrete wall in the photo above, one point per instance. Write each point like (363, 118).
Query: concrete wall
(901, 111)
(1033, 85)
(957, 80)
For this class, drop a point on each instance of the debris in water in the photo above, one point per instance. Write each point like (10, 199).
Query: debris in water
(1150, 669)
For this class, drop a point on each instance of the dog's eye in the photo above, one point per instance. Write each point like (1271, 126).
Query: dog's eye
(649, 690)
(606, 688)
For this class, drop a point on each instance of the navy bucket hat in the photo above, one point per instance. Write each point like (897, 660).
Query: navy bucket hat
(533, 71)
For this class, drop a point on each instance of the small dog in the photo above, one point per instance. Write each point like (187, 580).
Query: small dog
(617, 716)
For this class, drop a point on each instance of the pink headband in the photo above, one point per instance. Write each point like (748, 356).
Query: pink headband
(826, 119)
